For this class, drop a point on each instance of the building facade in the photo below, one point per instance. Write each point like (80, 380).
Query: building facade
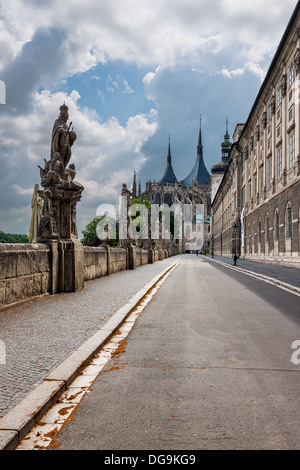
(257, 206)
(218, 170)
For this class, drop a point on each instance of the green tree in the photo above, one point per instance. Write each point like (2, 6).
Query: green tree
(138, 219)
(90, 232)
(13, 238)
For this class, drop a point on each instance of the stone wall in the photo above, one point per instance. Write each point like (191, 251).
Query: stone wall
(141, 257)
(95, 262)
(25, 272)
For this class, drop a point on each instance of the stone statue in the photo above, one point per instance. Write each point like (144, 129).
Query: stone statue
(125, 218)
(55, 172)
(36, 207)
(60, 192)
(60, 195)
(62, 137)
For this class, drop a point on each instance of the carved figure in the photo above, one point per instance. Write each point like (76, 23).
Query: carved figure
(62, 137)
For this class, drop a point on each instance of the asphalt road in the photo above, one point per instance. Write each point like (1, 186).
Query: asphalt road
(206, 366)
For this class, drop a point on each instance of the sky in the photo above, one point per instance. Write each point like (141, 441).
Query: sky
(132, 72)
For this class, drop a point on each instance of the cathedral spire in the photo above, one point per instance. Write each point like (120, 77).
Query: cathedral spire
(169, 175)
(199, 171)
(226, 145)
(169, 158)
(200, 146)
(227, 136)
(134, 185)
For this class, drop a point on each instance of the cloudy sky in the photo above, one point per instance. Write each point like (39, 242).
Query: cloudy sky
(132, 72)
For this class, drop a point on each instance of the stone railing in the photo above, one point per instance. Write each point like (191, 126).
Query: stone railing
(25, 272)
(28, 271)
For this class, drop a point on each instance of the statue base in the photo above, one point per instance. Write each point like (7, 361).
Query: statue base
(67, 265)
(58, 229)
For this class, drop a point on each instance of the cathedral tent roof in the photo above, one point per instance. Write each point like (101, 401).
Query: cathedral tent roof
(169, 175)
(199, 170)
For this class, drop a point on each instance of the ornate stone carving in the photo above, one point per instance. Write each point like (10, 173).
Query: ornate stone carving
(297, 61)
(257, 132)
(273, 104)
(125, 241)
(264, 120)
(60, 192)
(284, 85)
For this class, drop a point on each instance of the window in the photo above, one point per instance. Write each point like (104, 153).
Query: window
(259, 231)
(269, 112)
(289, 222)
(250, 195)
(291, 74)
(276, 225)
(279, 96)
(261, 180)
(267, 229)
(292, 150)
(279, 162)
(269, 172)
(255, 185)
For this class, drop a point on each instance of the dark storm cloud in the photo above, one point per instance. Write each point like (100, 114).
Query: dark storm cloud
(38, 64)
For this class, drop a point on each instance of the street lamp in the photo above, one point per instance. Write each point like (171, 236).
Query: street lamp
(234, 246)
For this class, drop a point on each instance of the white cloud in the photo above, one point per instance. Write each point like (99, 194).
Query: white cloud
(22, 191)
(248, 67)
(149, 32)
(105, 154)
(44, 43)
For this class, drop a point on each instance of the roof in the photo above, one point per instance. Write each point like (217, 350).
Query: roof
(199, 171)
(169, 175)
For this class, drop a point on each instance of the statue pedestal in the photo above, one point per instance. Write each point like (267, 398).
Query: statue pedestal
(151, 256)
(58, 229)
(131, 257)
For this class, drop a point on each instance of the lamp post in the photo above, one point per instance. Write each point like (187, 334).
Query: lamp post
(234, 246)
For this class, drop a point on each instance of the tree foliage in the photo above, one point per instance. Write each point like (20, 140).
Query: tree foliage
(13, 238)
(90, 232)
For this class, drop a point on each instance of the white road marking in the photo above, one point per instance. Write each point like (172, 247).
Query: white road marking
(270, 280)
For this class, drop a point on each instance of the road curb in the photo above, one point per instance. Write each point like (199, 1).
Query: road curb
(18, 422)
(271, 280)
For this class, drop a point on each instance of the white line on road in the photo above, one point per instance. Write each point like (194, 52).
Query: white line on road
(270, 280)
